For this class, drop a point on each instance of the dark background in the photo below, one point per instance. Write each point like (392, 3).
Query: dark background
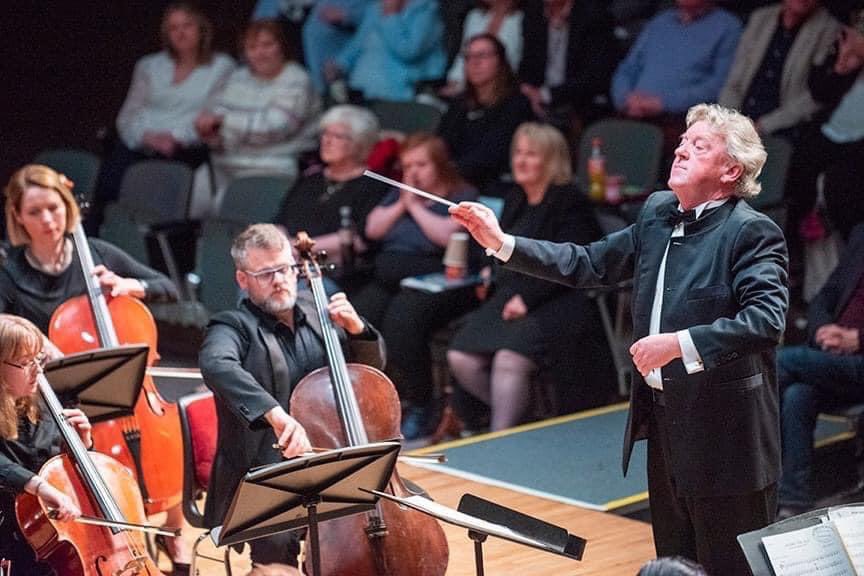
(65, 67)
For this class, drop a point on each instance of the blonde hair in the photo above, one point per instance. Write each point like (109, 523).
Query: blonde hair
(260, 236)
(44, 177)
(553, 148)
(743, 144)
(19, 339)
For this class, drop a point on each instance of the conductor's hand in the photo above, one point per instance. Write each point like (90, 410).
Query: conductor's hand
(655, 351)
(480, 222)
(291, 436)
(342, 313)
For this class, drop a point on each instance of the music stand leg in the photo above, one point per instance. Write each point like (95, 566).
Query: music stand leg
(478, 539)
(311, 505)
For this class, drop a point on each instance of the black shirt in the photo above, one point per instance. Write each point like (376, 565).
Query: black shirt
(763, 95)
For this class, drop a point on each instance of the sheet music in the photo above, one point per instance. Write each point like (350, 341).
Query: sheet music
(851, 530)
(846, 511)
(811, 551)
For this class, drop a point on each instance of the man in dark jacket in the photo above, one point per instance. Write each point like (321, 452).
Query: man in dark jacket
(709, 305)
(253, 357)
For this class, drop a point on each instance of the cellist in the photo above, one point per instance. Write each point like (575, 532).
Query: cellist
(252, 357)
(41, 271)
(28, 438)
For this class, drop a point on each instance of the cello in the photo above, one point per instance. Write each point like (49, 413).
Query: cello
(106, 540)
(343, 405)
(149, 441)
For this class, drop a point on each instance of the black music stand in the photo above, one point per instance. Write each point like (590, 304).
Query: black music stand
(104, 383)
(483, 518)
(307, 490)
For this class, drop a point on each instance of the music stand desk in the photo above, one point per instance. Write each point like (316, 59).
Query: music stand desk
(483, 518)
(104, 383)
(307, 490)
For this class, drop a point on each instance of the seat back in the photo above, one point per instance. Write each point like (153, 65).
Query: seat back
(198, 425)
(773, 179)
(80, 166)
(254, 199)
(406, 117)
(632, 149)
(156, 191)
(214, 268)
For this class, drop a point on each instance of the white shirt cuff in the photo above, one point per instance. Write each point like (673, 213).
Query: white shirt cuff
(506, 251)
(689, 355)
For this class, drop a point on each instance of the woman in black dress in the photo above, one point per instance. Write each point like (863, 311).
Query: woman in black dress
(28, 439)
(501, 345)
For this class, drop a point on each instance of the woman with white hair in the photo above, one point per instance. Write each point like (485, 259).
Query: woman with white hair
(348, 134)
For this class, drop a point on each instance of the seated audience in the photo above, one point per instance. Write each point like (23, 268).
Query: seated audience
(398, 44)
(264, 116)
(328, 29)
(348, 134)
(834, 146)
(412, 233)
(168, 90)
(479, 124)
(500, 18)
(572, 57)
(500, 347)
(828, 370)
(681, 58)
(768, 78)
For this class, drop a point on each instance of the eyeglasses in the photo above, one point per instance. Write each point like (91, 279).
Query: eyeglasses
(35, 363)
(268, 275)
(336, 136)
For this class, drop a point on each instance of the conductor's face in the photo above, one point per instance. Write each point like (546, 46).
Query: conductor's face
(270, 279)
(702, 170)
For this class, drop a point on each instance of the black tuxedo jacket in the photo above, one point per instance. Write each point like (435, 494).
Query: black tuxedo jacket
(726, 282)
(236, 365)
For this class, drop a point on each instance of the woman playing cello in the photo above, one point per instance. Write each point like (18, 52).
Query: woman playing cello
(41, 272)
(28, 438)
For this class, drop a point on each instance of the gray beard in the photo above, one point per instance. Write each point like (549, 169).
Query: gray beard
(276, 308)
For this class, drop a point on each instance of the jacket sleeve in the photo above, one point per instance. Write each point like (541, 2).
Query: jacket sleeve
(221, 361)
(368, 348)
(160, 288)
(13, 476)
(759, 284)
(129, 120)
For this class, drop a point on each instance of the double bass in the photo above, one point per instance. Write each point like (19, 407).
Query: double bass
(343, 405)
(107, 539)
(149, 441)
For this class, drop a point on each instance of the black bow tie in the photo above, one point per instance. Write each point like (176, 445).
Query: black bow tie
(675, 216)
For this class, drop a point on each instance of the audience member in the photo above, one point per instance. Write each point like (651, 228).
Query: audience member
(833, 147)
(168, 90)
(479, 124)
(681, 58)
(327, 30)
(768, 78)
(671, 566)
(411, 232)
(500, 346)
(572, 58)
(829, 369)
(398, 44)
(500, 18)
(348, 134)
(262, 119)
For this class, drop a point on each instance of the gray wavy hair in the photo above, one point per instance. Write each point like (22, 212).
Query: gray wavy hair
(362, 124)
(743, 143)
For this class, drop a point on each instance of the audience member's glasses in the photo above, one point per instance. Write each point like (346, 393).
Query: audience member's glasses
(478, 55)
(268, 275)
(336, 135)
(36, 363)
